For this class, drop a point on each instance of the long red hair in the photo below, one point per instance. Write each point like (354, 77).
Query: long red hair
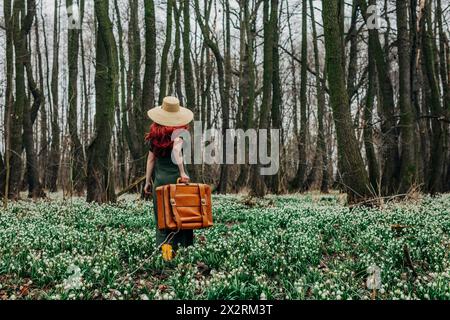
(160, 139)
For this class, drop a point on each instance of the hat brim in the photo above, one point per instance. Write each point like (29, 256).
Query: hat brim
(171, 119)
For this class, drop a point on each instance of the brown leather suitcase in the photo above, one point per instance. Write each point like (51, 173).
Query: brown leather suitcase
(184, 206)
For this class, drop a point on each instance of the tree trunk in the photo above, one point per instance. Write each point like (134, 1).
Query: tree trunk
(371, 157)
(276, 92)
(175, 73)
(204, 26)
(224, 168)
(76, 149)
(321, 144)
(2, 176)
(30, 115)
(299, 182)
(86, 90)
(139, 111)
(54, 161)
(121, 106)
(165, 53)
(21, 113)
(353, 173)
(9, 98)
(387, 106)
(407, 162)
(35, 189)
(435, 181)
(148, 87)
(352, 36)
(43, 139)
(246, 82)
(415, 88)
(189, 81)
(134, 124)
(100, 171)
(269, 18)
(444, 68)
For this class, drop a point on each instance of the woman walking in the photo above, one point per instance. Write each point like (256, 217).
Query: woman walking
(165, 169)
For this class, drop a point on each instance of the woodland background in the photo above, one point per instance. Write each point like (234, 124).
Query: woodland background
(363, 110)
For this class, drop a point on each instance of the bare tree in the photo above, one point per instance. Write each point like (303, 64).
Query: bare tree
(100, 171)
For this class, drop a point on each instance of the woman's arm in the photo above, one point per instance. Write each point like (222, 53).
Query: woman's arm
(178, 157)
(148, 175)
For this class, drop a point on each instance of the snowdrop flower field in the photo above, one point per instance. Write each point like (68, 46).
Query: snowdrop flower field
(289, 247)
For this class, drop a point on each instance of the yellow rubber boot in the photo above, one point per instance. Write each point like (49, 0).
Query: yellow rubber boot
(167, 252)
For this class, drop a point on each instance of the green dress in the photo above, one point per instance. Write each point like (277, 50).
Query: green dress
(166, 172)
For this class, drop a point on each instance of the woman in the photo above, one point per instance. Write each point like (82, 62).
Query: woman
(167, 119)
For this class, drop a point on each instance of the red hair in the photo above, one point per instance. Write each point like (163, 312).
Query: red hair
(160, 139)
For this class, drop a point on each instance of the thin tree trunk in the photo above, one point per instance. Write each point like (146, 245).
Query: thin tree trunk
(55, 155)
(134, 126)
(189, 81)
(276, 91)
(353, 54)
(371, 157)
(76, 149)
(435, 181)
(321, 144)
(85, 82)
(407, 167)
(9, 98)
(175, 73)
(247, 81)
(30, 115)
(100, 171)
(299, 182)
(224, 168)
(121, 115)
(269, 17)
(414, 80)
(139, 111)
(2, 176)
(444, 69)
(165, 53)
(35, 189)
(43, 140)
(148, 87)
(204, 26)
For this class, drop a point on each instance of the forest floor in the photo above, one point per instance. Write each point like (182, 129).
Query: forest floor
(288, 247)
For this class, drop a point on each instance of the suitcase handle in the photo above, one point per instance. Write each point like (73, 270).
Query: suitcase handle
(179, 182)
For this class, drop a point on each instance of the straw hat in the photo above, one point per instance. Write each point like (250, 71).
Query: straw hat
(171, 114)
